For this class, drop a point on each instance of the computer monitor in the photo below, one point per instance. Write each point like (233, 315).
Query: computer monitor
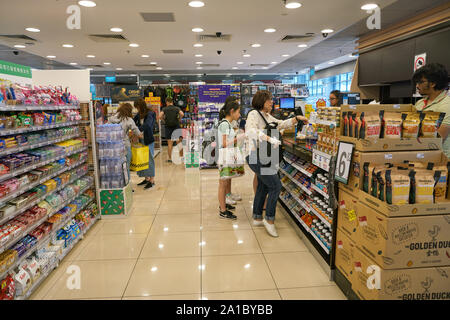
(287, 103)
(350, 98)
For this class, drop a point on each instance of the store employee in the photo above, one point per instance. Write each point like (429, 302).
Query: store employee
(432, 81)
(335, 96)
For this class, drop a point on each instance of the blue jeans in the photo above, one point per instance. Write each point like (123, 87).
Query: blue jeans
(128, 155)
(150, 172)
(268, 186)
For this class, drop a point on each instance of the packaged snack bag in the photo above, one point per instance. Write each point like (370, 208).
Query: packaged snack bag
(372, 126)
(381, 116)
(379, 175)
(350, 124)
(392, 125)
(355, 121)
(440, 189)
(431, 122)
(411, 124)
(366, 174)
(424, 186)
(345, 123)
(397, 186)
(373, 181)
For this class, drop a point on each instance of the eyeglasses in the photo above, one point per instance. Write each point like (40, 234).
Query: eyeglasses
(421, 81)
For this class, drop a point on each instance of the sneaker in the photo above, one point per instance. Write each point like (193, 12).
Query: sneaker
(142, 183)
(257, 223)
(227, 215)
(270, 228)
(235, 197)
(228, 200)
(230, 207)
(169, 160)
(148, 185)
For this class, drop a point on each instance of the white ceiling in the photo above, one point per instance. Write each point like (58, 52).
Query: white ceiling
(245, 20)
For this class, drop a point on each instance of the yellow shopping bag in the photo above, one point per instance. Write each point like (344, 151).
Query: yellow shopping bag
(139, 157)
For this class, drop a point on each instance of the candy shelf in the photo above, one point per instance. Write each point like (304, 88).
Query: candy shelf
(37, 145)
(318, 215)
(308, 191)
(41, 181)
(40, 164)
(296, 166)
(4, 132)
(37, 108)
(43, 219)
(320, 191)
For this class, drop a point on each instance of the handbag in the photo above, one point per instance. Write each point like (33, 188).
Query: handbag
(231, 162)
(269, 129)
(139, 157)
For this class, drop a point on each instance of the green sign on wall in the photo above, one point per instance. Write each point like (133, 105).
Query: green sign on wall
(14, 69)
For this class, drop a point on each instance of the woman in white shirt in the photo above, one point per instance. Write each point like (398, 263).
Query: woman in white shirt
(269, 184)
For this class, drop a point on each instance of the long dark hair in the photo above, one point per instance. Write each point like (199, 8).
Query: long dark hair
(227, 108)
(125, 111)
(142, 108)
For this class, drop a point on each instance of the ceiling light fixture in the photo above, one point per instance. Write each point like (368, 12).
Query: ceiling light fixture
(199, 55)
(159, 68)
(133, 45)
(292, 4)
(90, 69)
(33, 30)
(90, 56)
(107, 63)
(199, 68)
(67, 45)
(85, 3)
(256, 45)
(369, 6)
(198, 45)
(285, 55)
(153, 62)
(21, 46)
(270, 30)
(196, 4)
(240, 62)
(199, 62)
(246, 55)
(197, 30)
(302, 45)
(51, 57)
(235, 68)
(119, 69)
(73, 63)
(331, 62)
(327, 31)
(145, 56)
(116, 29)
(264, 68)
(274, 62)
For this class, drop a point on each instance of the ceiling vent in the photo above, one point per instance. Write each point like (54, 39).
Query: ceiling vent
(298, 38)
(158, 16)
(15, 38)
(210, 65)
(214, 38)
(173, 51)
(111, 38)
(259, 65)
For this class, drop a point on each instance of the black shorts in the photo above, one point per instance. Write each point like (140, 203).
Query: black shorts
(170, 131)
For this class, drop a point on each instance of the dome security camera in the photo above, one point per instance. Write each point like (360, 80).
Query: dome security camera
(16, 53)
(324, 34)
(219, 52)
(218, 34)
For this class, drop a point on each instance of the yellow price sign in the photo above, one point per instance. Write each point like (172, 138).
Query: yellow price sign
(351, 214)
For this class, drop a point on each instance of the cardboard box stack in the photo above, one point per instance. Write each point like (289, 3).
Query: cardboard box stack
(393, 224)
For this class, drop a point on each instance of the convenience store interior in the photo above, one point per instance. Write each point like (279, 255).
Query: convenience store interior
(168, 242)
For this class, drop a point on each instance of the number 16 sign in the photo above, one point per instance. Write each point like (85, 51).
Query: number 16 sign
(343, 161)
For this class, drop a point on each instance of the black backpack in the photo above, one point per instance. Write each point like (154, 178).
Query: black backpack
(172, 116)
(269, 127)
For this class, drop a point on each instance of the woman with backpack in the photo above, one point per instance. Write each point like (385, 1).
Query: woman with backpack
(269, 184)
(145, 120)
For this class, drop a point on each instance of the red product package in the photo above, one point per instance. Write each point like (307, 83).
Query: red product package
(7, 288)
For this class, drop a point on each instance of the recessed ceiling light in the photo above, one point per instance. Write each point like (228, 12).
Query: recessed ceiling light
(199, 55)
(327, 31)
(107, 63)
(158, 68)
(331, 62)
(19, 46)
(199, 62)
(119, 69)
(270, 30)
(197, 30)
(286, 74)
(246, 55)
(90, 69)
(199, 68)
(228, 74)
(67, 45)
(132, 75)
(256, 45)
(302, 45)
(134, 45)
(196, 4)
(285, 55)
(240, 62)
(153, 62)
(73, 63)
(274, 62)
(264, 67)
(116, 29)
(85, 3)
(51, 57)
(292, 5)
(145, 56)
(369, 6)
(90, 56)
(33, 30)
(235, 68)
(198, 45)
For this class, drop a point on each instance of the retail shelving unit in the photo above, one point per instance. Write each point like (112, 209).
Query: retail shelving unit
(79, 170)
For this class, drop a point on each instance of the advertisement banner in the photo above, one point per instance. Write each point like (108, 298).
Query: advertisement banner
(125, 93)
(14, 69)
(213, 93)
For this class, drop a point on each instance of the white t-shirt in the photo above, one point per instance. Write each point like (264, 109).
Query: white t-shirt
(226, 128)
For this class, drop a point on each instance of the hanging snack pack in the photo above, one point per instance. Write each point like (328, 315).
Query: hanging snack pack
(424, 186)
(440, 189)
(370, 125)
(397, 186)
(431, 122)
(392, 125)
(411, 124)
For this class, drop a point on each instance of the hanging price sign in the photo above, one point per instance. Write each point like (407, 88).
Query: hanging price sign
(344, 160)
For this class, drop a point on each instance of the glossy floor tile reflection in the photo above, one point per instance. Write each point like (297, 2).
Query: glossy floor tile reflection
(174, 246)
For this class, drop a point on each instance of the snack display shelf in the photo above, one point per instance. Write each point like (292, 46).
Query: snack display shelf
(37, 108)
(41, 181)
(302, 203)
(320, 191)
(307, 229)
(43, 219)
(327, 223)
(309, 192)
(40, 164)
(38, 128)
(37, 145)
(70, 217)
(296, 166)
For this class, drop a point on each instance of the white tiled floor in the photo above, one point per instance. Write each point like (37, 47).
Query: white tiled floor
(174, 246)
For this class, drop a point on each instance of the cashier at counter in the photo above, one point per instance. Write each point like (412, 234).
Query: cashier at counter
(432, 81)
(335, 96)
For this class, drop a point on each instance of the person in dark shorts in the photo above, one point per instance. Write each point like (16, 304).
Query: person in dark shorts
(171, 116)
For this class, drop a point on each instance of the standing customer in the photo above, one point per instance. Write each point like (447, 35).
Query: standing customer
(268, 181)
(432, 81)
(335, 97)
(124, 117)
(171, 116)
(145, 121)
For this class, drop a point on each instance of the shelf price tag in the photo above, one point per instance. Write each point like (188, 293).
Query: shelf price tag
(344, 159)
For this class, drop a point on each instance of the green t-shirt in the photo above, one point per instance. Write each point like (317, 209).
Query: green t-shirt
(225, 128)
(440, 104)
